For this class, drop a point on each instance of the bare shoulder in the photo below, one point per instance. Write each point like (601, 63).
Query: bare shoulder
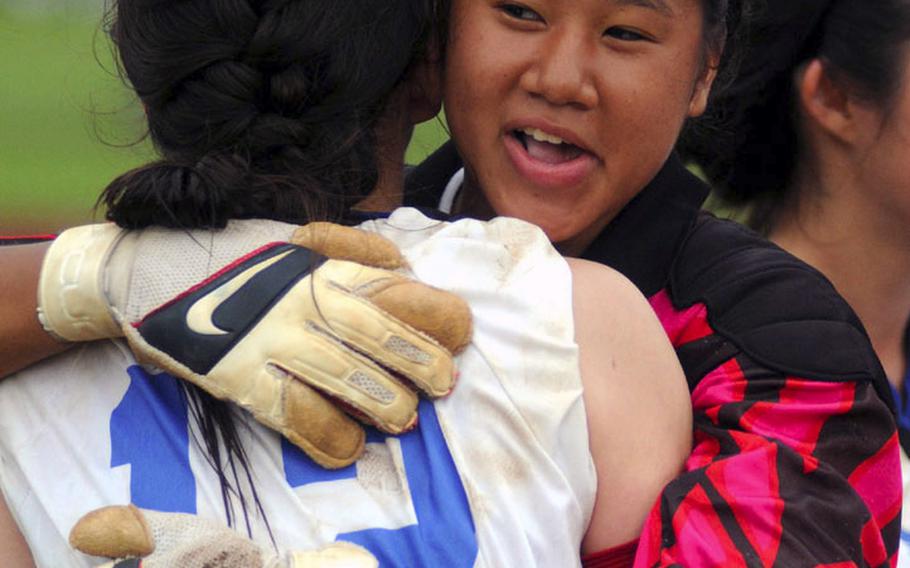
(611, 311)
(602, 287)
(623, 345)
(636, 399)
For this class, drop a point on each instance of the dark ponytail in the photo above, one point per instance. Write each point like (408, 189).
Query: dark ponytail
(258, 108)
(174, 195)
(751, 161)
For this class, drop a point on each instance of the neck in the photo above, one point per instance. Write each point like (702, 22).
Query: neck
(577, 245)
(389, 190)
(837, 228)
(388, 193)
(471, 201)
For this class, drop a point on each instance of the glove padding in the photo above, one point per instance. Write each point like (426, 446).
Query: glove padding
(165, 540)
(267, 330)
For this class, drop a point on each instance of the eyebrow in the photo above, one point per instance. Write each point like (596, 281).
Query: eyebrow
(656, 5)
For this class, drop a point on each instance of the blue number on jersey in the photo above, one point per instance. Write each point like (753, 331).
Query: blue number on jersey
(444, 533)
(149, 430)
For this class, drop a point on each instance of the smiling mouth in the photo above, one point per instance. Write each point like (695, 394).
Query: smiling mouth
(545, 147)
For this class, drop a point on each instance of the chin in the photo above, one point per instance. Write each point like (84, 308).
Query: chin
(556, 230)
(559, 221)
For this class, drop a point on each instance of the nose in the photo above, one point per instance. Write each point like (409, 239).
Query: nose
(562, 73)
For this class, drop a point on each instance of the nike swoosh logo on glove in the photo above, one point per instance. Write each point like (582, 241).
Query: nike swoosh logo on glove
(226, 308)
(199, 316)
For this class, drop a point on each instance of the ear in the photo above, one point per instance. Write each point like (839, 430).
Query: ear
(699, 101)
(424, 87)
(825, 102)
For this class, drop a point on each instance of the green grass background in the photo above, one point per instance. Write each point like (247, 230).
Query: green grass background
(67, 123)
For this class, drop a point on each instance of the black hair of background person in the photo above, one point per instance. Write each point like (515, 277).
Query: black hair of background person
(751, 160)
(258, 108)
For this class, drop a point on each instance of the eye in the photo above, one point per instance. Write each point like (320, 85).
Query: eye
(520, 12)
(625, 34)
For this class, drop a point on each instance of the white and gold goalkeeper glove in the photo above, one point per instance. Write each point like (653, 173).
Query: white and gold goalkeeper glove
(149, 539)
(291, 323)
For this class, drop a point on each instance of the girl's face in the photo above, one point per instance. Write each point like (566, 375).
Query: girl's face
(563, 110)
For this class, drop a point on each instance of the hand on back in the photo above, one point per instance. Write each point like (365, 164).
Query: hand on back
(302, 326)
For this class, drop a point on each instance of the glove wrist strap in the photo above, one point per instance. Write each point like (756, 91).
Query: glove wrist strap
(72, 304)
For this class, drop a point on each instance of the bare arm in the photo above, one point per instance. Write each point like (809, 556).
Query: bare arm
(22, 340)
(636, 398)
(14, 552)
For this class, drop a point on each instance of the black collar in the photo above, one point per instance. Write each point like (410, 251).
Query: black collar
(424, 184)
(641, 242)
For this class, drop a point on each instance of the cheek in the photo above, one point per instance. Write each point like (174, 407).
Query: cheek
(889, 151)
(899, 158)
(654, 99)
(467, 93)
(638, 139)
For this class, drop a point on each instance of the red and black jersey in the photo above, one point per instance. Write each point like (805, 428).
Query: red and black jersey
(795, 459)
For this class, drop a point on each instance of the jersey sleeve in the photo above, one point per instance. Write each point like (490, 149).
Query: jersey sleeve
(785, 471)
(795, 457)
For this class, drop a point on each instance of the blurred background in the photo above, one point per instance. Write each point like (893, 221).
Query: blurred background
(68, 125)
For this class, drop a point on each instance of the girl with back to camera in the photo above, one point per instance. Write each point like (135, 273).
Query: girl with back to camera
(248, 126)
(834, 100)
(566, 113)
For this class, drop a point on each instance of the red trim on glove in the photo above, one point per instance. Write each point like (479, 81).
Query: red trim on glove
(218, 274)
(25, 239)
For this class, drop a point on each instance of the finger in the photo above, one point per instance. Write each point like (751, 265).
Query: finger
(292, 338)
(345, 295)
(315, 425)
(245, 377)
(113, 532)
(343, 374)
(278, 400)
(348, 243)
(442, 315)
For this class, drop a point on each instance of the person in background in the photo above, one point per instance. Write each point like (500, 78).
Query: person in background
(829, 91)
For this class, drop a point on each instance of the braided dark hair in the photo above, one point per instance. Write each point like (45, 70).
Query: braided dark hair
(258, 108)
(751, 163)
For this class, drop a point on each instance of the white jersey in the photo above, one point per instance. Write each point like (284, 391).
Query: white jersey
(497, 474)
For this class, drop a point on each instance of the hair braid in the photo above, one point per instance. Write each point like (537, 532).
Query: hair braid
(277, 98)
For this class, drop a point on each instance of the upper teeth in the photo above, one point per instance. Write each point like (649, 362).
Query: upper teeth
(542, 136)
